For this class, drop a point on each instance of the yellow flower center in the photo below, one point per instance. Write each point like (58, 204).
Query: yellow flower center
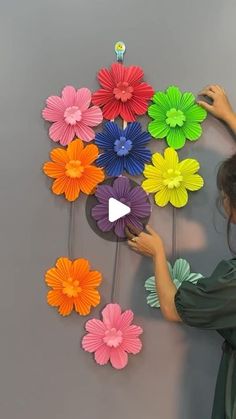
(71, 287)
(172, 178)
(74, 169)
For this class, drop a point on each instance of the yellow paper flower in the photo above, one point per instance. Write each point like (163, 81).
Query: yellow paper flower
(170, 179)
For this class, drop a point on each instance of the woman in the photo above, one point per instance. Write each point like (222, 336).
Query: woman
(211, 304)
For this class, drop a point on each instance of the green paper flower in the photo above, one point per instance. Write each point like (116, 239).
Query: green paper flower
(177, 117)
(179, 274)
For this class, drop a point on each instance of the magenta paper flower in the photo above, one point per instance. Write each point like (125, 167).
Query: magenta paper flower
(123, 191)
(113, 338)
(71, 115)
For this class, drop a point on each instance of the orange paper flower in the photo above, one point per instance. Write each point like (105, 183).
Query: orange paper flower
(73, 170)
(73, 286)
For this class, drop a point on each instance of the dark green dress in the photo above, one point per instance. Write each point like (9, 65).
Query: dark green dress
(211, 304)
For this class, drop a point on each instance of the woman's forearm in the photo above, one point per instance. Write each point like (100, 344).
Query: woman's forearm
(150, 243)
(165, 286)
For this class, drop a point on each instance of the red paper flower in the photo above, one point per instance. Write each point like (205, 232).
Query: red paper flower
(123, 92)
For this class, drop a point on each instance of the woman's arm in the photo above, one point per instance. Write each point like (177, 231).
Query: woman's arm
(151, 245)
(220, 107)
(165, 287)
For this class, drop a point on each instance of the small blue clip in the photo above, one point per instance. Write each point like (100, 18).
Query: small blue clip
(120, 50)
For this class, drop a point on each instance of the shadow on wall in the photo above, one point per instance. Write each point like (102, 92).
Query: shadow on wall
(198, 378)
(201, 235)
(198, 241)
(191, 345)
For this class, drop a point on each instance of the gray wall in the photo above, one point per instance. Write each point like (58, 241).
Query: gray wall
(45, 45)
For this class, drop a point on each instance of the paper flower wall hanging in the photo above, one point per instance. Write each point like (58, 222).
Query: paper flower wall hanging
(170, 179)
(71, 115)
(73, 171)
(76, 168)
(134, 197)
(123, 149)
(179, 274)
(73, 286)
(123, 92)
(113, 337)
(176, 116)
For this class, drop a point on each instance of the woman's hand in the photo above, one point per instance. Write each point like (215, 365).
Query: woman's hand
(220, 107)
(149, 244)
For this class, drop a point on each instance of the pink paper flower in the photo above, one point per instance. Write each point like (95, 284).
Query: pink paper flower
(113, 338)
(71, 115)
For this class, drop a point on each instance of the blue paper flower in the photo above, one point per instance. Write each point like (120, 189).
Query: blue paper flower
(179, 273)
(123, 150)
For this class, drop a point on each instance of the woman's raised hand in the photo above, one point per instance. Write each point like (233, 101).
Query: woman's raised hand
(220, 106)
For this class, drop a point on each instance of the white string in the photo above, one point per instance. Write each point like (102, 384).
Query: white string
(174, 238)
(115, 280)
(71, 232)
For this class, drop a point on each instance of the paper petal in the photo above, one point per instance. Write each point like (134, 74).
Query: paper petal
(63, 130)
(181, 269)
(171, 179)
(132, 196)
(113, 338)
(123, 150)
(176, 117)
(179, 273)
(123, 92)
(73, 286)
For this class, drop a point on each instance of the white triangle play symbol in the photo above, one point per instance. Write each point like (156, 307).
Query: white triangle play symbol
(117, 209)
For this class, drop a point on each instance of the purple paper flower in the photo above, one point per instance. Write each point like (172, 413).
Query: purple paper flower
(134, 197)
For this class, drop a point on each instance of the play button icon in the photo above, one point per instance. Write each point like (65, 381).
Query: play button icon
(118, 203)
(117, 210)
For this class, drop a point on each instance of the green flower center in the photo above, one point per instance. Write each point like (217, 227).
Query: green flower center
(172, 178)
(175, 117)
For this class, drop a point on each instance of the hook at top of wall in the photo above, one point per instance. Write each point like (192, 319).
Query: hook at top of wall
(120, 51)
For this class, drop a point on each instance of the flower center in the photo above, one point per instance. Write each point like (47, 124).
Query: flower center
(123, 91)
(175, 117)
(113, 337)
(71, 287)
(74, 169)
(172, 178)
(122, 146)
(72, 115)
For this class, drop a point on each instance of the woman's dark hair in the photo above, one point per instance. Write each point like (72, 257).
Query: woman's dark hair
(226, 184)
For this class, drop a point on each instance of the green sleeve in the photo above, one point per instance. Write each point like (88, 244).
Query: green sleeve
(211, 304)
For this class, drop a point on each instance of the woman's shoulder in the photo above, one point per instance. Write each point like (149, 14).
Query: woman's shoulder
(227, 263)
(225, 267)
(230, 263)
(224, 272)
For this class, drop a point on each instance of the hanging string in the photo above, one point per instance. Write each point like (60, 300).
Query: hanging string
(71, 231)
(119, 49)
(174, 236)
(115, 278)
